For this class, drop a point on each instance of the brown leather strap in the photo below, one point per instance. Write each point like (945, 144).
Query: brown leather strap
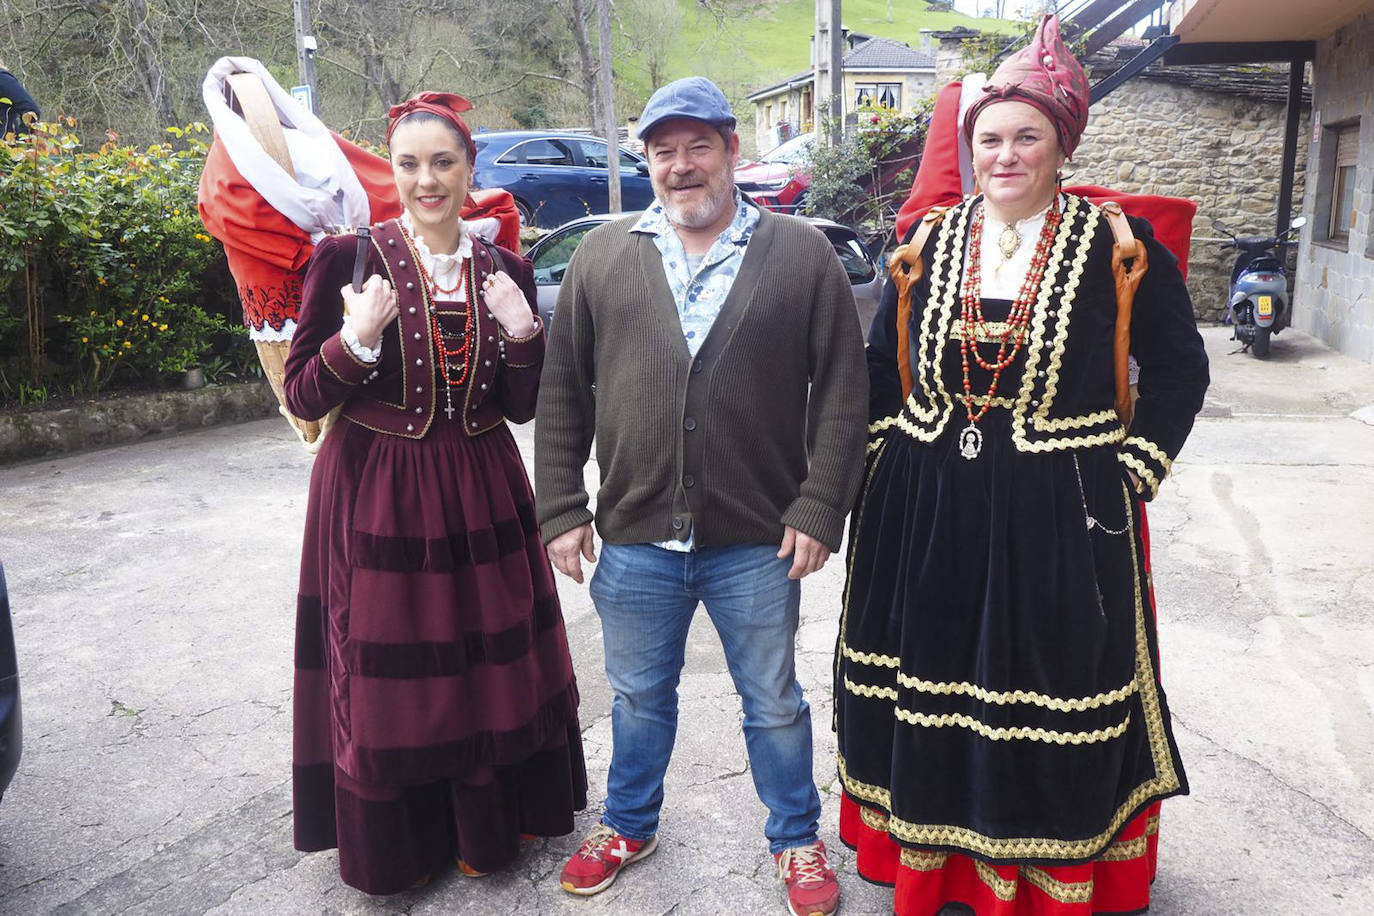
(261, 116)
(908, 256)
(1127, 248)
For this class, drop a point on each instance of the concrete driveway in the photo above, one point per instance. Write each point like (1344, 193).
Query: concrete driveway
(153, 590)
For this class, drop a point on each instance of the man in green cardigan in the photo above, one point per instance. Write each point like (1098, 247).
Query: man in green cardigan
(712, 351)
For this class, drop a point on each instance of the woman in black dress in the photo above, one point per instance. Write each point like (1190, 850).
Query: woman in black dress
(1004, 738)
(435, 705)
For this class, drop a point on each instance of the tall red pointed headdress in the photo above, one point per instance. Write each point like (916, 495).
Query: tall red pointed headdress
(1043, 74)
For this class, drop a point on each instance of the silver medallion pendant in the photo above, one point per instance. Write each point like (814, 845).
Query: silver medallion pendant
(970, 441)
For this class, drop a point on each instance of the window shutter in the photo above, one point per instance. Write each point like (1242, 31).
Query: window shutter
(1347, 145)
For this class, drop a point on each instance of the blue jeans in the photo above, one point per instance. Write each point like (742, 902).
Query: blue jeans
(646, 597)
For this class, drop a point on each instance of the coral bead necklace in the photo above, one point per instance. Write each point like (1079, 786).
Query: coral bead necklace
(455, 360)
(975, 327)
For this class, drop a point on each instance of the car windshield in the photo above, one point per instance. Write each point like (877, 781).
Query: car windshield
(791, 151)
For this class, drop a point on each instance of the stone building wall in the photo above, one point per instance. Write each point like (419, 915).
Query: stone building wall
(1335, 293)
(1221, 151)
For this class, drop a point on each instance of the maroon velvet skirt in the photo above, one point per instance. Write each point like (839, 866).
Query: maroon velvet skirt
(435, 709)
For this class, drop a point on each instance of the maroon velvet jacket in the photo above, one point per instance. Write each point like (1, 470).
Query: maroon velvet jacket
(398, 394)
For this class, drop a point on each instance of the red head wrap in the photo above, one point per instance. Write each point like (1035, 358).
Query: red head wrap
(1045, 75)
(446, 105)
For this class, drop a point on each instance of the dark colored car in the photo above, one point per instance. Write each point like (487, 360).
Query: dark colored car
(556, 176)
(777, 181)
(550, 256)
(11, 721)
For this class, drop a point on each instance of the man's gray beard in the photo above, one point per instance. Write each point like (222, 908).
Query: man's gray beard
(706, 213)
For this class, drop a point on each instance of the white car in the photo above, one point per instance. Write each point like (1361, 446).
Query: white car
(551, 254)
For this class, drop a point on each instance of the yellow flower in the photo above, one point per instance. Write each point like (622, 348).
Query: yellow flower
(202, 237)
(102, 282)
(145, 317)
(127, 344)
(119, 322)
(176, 212)
(163, 328)
(92, 313)
(85, 340)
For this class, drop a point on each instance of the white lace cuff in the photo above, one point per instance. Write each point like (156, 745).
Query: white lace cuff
(350, 339)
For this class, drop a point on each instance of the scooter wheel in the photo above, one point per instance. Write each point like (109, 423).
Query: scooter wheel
(1260, 346)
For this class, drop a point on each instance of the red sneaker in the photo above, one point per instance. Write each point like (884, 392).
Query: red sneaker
(812, 889)
(599, 860)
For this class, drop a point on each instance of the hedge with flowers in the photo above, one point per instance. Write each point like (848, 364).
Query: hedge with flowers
(107, 278)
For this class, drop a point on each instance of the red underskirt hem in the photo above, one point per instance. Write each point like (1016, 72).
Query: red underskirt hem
(1116, 883)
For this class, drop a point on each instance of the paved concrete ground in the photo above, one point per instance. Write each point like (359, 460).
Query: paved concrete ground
(153, 584)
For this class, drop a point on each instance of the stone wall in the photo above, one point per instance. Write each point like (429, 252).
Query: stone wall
(1335, 294)
(1219, 150)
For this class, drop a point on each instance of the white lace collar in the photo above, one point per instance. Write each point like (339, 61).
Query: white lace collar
(438, 264)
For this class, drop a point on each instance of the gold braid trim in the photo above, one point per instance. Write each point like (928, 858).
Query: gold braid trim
(920, 860)
(1146, 474)
(870, 658)
(1063, 314)
(1077, 892)
(870, 691)
(1154, 451)
(1003, 889)
(1005, 697)
(1049, 736)
(1125, 850)
(1059, 424)
(873, 819)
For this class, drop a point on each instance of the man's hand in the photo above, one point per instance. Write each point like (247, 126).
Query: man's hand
(567, 550)
(808, 554)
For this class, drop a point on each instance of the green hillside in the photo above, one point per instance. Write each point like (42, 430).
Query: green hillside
(773, 41)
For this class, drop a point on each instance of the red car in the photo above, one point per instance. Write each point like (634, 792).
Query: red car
(776, 181)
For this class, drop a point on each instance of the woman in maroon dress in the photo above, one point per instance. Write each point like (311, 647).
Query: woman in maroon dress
(435, 705)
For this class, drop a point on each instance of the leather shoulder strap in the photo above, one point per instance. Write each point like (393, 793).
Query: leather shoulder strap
(261, 116)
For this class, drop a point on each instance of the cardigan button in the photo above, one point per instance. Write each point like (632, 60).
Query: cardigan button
(410, 428)
(696, 366)
(689, 424)
(677, 524)
(688, 481)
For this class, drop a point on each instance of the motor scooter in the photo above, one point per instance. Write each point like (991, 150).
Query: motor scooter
(1259, 306)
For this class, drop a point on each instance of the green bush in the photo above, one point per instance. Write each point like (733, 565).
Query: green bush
(106, 266)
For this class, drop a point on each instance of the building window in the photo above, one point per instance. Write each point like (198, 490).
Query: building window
(1347, 140)
(878, 95)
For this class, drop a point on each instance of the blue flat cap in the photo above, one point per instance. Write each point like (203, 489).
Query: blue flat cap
(693, 97)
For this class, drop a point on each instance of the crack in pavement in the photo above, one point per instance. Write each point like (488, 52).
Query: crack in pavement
(1366, 837)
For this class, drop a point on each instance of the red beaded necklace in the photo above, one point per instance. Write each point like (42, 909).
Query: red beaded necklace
(975, 326)
(455, 362)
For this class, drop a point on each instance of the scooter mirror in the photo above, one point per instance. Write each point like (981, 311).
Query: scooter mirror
(1298, 222)
(1219, 226)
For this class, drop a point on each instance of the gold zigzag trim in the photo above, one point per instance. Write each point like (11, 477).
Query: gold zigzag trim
(964, 688)
(1006, 697)
(1141, 468)
(1003, 889)
(1125, 850)
(1018, 732)
(873, 819)
(1062, 891)
(920, 860)
(870, 691)
(1154, 451)
(871, 658)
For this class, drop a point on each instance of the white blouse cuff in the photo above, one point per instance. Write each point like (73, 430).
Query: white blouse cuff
(350, 339)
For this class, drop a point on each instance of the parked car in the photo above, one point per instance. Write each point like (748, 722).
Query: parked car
(550, 256)
(777, 181)
(556, 176)
(11, 720)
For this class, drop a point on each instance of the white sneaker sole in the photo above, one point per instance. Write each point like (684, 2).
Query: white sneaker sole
(644, 852)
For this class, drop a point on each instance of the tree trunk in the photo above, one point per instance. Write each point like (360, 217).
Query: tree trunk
(608, 123)
(578, 21)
